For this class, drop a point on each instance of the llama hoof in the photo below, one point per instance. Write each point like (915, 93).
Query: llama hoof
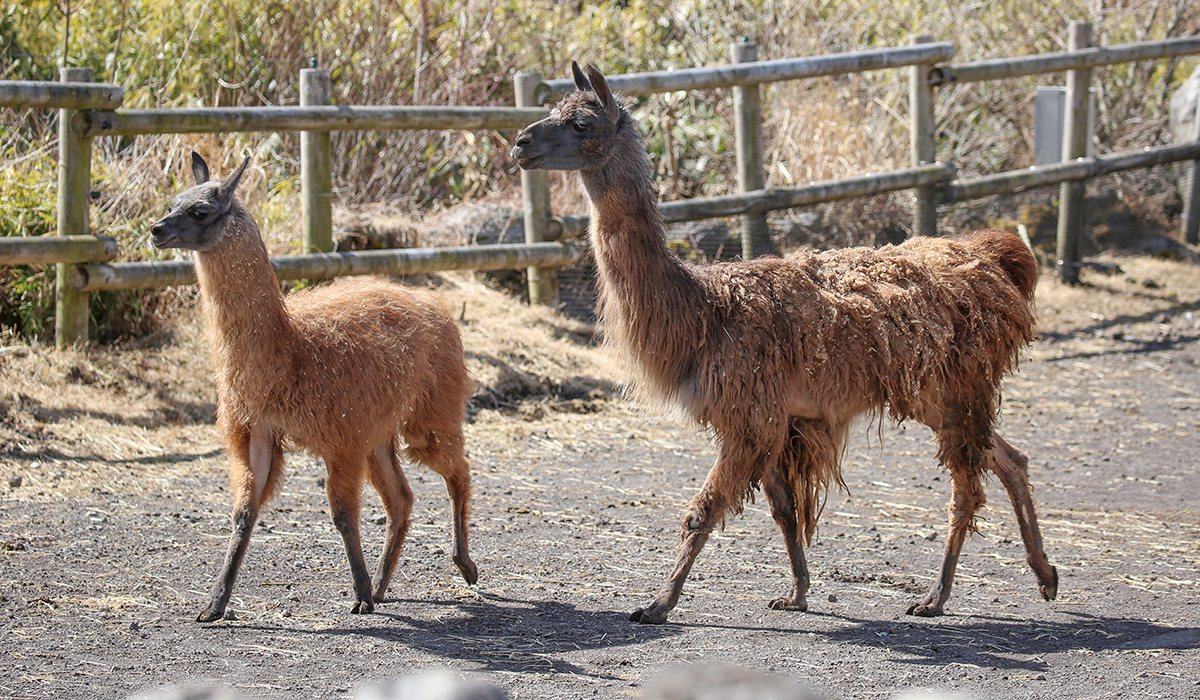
(362, 607)
(653, 615)
(924, 610)
(467, 568)
(212, 614)
(1050, 590)
(788, 604)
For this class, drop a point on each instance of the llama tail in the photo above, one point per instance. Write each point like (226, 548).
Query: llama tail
(1009, 252)
(811, 461)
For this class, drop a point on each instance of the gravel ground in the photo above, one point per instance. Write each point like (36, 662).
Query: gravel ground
(115, 531)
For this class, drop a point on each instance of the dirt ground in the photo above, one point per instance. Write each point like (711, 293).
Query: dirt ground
(114, 532)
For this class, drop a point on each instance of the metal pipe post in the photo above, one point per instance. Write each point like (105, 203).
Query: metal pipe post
(1075, 141)
(535, 194)
(316, 166)
(922, 133)
(1190, 220)
(74, 196)
(747, 126)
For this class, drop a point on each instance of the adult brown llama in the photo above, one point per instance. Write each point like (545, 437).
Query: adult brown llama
(344, 371)
(778, 356)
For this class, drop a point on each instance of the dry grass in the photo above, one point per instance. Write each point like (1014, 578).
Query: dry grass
(139, 401)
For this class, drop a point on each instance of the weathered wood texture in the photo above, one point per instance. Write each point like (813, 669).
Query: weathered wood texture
(783, 198)
(542, 281)
(43, 250)
(44, 94)
(633, 84)
(198, 120)
(1016, 66)
(1081, 169)
(1075, 141)
(407, 261)
(922, 143)
(747, 128)
(316, 167)
(74, 197)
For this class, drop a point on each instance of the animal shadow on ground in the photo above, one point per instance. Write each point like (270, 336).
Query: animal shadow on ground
(173, 412)
(989, 641)
(513, 385)
(506, 634)
(1124, 319)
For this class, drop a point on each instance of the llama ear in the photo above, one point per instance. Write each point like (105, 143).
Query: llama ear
(229, 185)
(600, 87)
(581, 80)
(199, 169)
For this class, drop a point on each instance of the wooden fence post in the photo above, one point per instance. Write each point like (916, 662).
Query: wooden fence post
(1190, 220)
(922, 133)
(74, 197)
(1075, 141)
(747, 125)
(535, 195)
(316, 166)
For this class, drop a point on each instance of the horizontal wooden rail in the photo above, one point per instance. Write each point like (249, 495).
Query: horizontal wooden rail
(129, 122)
(997, 68)
(43, 250)
(757, 72)
(1082, 169)
(45, 94)
(142, 275)
(759, 201)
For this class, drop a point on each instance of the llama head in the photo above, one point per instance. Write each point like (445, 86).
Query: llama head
(581, 132)
(197, 216)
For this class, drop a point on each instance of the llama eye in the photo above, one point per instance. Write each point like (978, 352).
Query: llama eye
(196, 215)
(579, 126)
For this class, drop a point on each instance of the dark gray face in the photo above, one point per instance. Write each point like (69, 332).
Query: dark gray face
(579, 131)
(194, 222)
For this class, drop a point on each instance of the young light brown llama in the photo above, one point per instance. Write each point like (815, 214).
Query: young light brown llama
(778, 356)
(345, 371)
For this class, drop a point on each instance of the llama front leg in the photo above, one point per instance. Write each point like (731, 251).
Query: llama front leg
(387, 476)
(967, 499)
(706, 510)
(255, 462)
(1012, 467)
(783, 510)
(344, 486)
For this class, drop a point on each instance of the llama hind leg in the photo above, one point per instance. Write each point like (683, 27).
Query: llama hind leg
(783, 510)
(1011, 466)
(256, 460)
(344, 487)
(444, 454)
(387, 476)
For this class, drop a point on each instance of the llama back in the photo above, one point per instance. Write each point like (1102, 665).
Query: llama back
(902, 323)
(384, 335)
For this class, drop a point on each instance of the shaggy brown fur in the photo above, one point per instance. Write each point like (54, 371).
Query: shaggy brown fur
(344, 371)
(779, 356)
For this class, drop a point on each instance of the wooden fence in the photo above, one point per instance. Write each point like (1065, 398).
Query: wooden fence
(90, 110)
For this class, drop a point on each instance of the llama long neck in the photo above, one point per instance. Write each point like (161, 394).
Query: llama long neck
(249, 332)
(644, 287)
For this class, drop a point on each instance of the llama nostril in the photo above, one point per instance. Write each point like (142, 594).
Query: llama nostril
(156, 228)
(523, 139)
